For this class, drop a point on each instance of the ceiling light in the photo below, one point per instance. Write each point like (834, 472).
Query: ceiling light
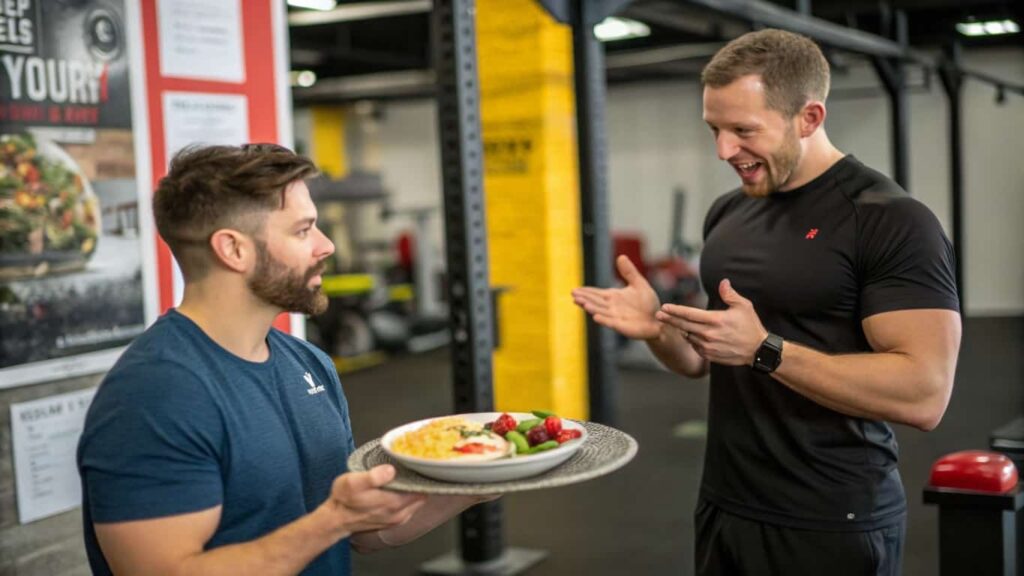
(612, 28)
(314, 4)
(303, 78)
(988, 28)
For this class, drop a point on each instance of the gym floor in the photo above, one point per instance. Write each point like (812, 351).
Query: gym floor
(639, 519)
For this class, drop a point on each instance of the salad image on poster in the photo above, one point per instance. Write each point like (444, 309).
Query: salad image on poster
(49, 217)
(71, 256)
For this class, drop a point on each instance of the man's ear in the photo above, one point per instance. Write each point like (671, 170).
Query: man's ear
(810, 118)
(233, 250)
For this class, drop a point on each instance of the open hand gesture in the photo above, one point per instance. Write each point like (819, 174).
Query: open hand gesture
(628, 310)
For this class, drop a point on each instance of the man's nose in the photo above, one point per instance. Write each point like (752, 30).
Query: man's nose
(325, 247)
(726, 145)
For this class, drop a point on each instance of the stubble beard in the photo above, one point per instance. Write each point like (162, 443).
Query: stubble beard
(779, 169)
(279, 286)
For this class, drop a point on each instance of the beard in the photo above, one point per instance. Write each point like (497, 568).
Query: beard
(279, 285)
(779, 168)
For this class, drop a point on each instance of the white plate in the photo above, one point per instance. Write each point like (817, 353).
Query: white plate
(491, 471)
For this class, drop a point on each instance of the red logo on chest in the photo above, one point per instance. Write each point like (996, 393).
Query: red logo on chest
(811, 234)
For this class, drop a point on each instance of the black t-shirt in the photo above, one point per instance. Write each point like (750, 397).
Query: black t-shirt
(815, 261)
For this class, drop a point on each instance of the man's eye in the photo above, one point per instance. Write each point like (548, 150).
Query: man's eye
(303, 233)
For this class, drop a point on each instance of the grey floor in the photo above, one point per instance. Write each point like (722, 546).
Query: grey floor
(638, 520)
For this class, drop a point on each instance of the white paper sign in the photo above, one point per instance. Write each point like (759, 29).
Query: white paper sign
(45, 435)
(201, 39)
(192, 118)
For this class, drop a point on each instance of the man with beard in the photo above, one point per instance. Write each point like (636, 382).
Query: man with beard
(218, 444)
(832, 311)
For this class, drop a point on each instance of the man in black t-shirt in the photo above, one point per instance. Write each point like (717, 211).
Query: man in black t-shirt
(832, 311)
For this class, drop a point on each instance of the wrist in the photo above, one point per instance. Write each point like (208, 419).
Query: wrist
(768, 355)
(660, 334)
(329, 518)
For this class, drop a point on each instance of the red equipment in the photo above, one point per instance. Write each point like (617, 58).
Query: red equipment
(975, 470)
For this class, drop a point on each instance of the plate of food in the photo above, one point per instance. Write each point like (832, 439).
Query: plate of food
(485, 446)
(49, 215)
(495, 452)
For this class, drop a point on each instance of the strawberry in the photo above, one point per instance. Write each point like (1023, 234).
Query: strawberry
(503, 424)
(553, 424)
(567, 434)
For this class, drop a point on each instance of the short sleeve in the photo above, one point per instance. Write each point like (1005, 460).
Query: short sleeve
(151, 445)
(906, 260)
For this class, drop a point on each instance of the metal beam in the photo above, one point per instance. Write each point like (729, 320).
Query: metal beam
(891, 73)
(361, 11)
(662, 55)
(597, 10)
(453, 25)
(823, 31)
(469, 292)
(684, 18)
(952, 82)
(407, 84)
(589, 74)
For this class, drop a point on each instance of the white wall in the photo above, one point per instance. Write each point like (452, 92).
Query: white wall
(657, 142)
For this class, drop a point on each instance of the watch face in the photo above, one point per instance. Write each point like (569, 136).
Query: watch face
(769, 355)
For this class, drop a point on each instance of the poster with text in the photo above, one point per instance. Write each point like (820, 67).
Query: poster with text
(71, 259)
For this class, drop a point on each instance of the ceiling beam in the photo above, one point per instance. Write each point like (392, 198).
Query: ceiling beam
(360, 11)
(773, 16)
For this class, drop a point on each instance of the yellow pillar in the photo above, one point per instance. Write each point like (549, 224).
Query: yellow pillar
(532, 202)
(327, 142)
(328, 152)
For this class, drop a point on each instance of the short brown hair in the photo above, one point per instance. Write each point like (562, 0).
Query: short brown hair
(791, 66)
(208, 188)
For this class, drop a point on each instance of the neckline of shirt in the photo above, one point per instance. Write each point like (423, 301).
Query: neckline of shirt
(820, 181)
(176, 316)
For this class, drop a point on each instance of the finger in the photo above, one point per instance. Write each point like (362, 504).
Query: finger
(383, 503)
(609, 322)
(583, 298)
(690, 313)
(627, 269)
(355, 482)
(592, 304)
(729, 294)
(680, 323)
(381, 475)
(593, 308)
(408, 508)
(590, 292)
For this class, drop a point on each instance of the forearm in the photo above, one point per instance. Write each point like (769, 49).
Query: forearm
(890, 386)
(676, 353)
(287, 550)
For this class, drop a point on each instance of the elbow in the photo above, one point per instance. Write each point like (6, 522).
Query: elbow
(929, 412)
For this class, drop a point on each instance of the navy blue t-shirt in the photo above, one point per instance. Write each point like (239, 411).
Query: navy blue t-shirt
(182, 425)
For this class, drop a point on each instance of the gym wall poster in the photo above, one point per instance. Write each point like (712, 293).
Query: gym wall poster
(73, 224)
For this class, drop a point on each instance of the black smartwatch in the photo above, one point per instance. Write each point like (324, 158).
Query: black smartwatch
(769, 355)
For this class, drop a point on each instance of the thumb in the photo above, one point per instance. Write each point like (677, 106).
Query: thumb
(373, 478)
(381, 475)
(628, 270)
(729, 295)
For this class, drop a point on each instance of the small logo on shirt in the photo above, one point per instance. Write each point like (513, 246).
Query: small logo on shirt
(811, 234)
(313, 388)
